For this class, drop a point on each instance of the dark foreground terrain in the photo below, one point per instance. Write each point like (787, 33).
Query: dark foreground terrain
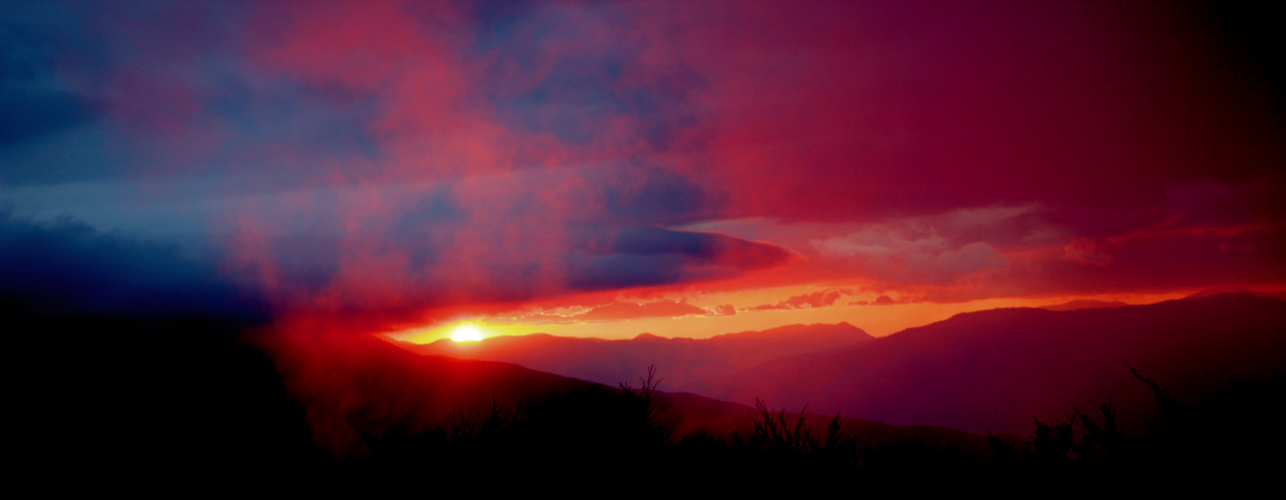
(150, 405)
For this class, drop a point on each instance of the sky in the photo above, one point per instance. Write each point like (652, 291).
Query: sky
(610, 168)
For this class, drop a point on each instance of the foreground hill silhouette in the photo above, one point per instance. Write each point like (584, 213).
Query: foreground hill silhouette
(994, 370)
(107, 402)
(381, 408)
(687, 365)
(982, 371)
(1084, 304)
(149, 404)
(354, 387)
(1210, 292)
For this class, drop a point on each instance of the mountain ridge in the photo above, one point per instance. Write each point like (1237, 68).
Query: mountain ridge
(687, 365)
(995, 369)
(977, 371)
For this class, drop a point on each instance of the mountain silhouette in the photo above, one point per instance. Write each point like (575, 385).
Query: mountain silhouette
(994, 370)
(354, 388)
(191, 399)
(981, 371)
(1084, 304)
(687, 365)
(1209, 292)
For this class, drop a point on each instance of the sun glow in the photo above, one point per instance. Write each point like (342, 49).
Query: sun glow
(466, 333)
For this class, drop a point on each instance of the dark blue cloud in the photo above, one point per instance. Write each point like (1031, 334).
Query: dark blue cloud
(714, 248)
(26, 115)
(652, 195)
(160, 87)
(585, 79)
(607, 258)
(580, 94)
(426, 225)
(606, 272)
(34, 102)
(292, 126)
(69, 268)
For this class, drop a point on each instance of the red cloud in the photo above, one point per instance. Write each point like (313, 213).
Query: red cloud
(629, 310)
(414, 156)
(806, 301)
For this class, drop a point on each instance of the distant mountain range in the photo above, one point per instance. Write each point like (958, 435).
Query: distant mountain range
(687, 365)
(983, 371)
(996, 370)
(187, 397)
(354, 387)
(1209, 292)
(1084, 304)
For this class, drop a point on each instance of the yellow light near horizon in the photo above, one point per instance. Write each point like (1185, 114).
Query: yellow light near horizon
(466, 333)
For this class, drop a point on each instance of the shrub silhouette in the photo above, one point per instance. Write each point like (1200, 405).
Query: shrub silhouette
(1103, 443)
(1052, 442)
(645, 397)
(1053, 449)
(787, 438)
(1166, 404)
(1225, 436)
(778, 434)
(641, 406)
(1045, 452)
(476, 425)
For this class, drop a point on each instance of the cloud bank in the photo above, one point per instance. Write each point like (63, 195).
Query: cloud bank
(393, 159)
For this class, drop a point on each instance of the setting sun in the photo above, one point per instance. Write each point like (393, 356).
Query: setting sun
(466, 333)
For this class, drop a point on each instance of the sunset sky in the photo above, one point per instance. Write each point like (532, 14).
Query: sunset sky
(611, 168)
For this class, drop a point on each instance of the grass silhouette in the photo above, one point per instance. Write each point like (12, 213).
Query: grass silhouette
(212, 409)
